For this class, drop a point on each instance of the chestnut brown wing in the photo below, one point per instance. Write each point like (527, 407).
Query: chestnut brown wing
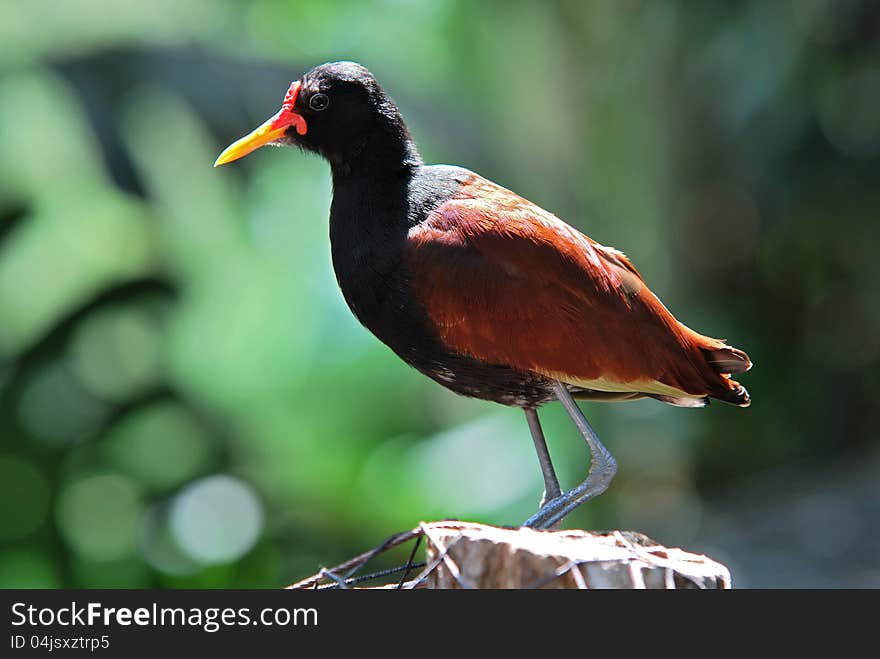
(506, 282)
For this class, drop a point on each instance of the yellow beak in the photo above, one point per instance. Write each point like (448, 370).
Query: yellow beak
(270, 131)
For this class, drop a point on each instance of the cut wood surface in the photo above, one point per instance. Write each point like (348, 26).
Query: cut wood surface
(479, 556)
(465, 555)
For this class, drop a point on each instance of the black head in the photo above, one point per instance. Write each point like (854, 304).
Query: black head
(339, 111)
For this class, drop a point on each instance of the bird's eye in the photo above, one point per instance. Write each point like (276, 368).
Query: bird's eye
(319, 102)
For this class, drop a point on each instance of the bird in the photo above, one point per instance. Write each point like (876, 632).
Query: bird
(483, 291)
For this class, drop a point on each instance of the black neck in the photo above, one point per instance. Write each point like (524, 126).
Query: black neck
(386, 151)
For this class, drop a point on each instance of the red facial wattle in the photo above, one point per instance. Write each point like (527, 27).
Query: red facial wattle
(286, 115)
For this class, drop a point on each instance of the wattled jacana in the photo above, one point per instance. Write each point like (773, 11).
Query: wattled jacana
(481, 290)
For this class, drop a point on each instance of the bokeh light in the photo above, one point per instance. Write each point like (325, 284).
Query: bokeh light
(217, 519)
(98, 516)
(486, 464)
(142, 441)
(56, 409)
(116, 353)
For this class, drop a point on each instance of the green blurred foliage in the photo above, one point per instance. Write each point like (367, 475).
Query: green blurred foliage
(185, 400)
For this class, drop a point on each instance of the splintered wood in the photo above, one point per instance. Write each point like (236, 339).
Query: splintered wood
(469, 555)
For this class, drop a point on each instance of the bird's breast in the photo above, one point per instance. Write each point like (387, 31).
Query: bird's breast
(371, 275)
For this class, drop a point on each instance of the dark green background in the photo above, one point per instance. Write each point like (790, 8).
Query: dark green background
(185, 400)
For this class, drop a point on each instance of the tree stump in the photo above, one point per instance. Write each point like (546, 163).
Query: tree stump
(478, 556)
(464, 555)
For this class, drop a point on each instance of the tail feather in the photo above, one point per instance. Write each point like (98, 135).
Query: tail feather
(727, 360)
(735, 395)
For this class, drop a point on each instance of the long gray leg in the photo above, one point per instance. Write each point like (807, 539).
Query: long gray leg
(602, 469)
(551, 483)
